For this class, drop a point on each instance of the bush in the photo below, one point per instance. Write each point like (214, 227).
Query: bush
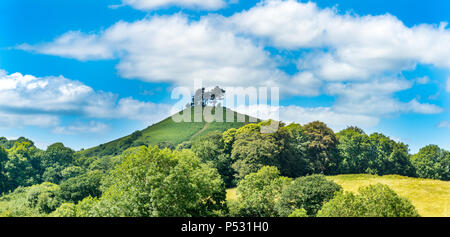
(372, 201)
(308, 193)
(257, 193)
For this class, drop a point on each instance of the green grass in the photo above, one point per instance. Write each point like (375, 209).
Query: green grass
(430, 197)
(166, 130)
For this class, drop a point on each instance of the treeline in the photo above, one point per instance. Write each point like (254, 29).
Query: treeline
(270, 172)
(315, 149)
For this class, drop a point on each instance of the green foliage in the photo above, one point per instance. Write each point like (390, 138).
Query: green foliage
(293, 160)
(253, 150)
(356, 150)
(54, 160)
(308, 193)
(164, 145)
(36, 200)
(23, 165)
(166, 131)
(432, 162)
(79, 187)
(392, 157)
(153, 182)
(373, 201)
(322, 149)
(257, 193)
(3, 177)
(299, 213)
(184, 145)
(211, 150)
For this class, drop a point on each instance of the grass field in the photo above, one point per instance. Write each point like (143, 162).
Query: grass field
(430, 197)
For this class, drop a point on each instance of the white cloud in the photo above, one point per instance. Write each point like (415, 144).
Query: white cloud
(26, 100)
(358, 46)
(74, 44)
(172, 49)
(356, 59)
(444, 124)
(77, 128)
(416, 107)
(155, 4)
(305, 83)
(11, 120)
(376, 98)
(448, 85)
(423, 80)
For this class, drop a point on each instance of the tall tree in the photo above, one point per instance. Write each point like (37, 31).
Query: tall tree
(322, 149)
(432, 162)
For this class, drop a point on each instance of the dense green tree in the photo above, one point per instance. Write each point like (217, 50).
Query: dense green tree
(79, 187)
(54, 160)
(154, 182)
(293, 159)
(211, 149)
(358, 154)
(432, 162)
(258, 192)
(3, 178)
(253, 150)
(392, 157)
(322, 148)
(184, 145)
(299, 213)
(37, 200)
(372, 201)
(23, 165)
(309, 193)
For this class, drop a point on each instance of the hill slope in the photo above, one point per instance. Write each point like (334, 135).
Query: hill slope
(430, 197)
(167, 131)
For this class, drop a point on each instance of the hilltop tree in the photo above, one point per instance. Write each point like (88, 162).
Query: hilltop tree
(203, 98)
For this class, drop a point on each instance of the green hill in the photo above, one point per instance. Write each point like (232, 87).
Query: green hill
(167, 133)
(430, 197)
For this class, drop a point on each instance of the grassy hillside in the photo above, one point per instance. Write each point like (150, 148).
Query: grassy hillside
(430, 197)
(167, 131)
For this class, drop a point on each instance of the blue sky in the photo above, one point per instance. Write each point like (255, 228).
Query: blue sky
(86, 72)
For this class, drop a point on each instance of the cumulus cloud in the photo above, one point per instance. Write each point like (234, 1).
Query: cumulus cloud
(26, 100)
(155, 4)
(172, 49)
(376, 98)
(448, 85)
(77, 128)
(444, 124)
(356, 59)
(357, 46)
